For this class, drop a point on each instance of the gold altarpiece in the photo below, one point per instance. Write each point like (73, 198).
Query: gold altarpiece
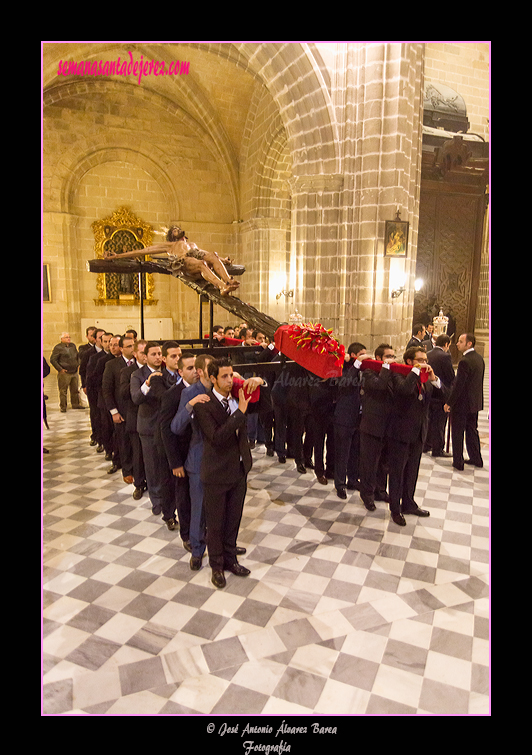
(122, 232)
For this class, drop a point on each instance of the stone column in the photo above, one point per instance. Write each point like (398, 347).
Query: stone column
(386, 140)
(340, 274)
(315, 264)
(264, 244)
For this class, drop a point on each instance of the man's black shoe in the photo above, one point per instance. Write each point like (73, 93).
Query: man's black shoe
(218, 579)
(195, 563)
(239, 570)
(399, 519)
(416, 512)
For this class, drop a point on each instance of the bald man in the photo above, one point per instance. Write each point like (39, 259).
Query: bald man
(65, 359)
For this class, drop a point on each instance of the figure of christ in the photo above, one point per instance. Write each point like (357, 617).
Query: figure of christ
(186, 257)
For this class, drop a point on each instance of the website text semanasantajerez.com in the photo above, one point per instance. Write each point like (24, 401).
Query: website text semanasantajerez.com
(127, 67)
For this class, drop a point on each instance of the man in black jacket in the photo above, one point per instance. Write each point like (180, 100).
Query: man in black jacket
(465, 402)
(86, 355)
(418, 334)
(407, 431)
(225, 465)
(441, 362)
(111, 352)
(376, 393)
(176, 446)
(117, 408)
(131, 412)
(147, 386)
(346, 423)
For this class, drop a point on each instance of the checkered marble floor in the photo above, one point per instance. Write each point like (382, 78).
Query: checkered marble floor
(344, 612)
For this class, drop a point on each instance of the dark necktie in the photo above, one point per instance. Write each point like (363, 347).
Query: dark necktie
(226, 406)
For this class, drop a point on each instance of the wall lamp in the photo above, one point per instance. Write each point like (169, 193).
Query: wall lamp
(418, 285)
(397, 292)
(285, 293)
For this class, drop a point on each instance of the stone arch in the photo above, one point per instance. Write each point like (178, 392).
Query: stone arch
(67, 181)
(291, 74)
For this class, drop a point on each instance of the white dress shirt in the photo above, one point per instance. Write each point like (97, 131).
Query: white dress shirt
(233, 403)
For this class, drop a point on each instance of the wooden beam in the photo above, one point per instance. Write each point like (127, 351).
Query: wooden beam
(245, 312)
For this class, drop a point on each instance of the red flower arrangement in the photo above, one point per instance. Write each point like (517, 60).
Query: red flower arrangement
(313, 347)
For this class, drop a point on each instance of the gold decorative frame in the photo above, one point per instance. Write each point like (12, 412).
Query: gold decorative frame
(104, 230)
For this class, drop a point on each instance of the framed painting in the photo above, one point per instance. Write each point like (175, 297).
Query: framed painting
(396, 238)
(46, 290)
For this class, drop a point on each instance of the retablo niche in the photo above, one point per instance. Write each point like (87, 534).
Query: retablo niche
(121, 233)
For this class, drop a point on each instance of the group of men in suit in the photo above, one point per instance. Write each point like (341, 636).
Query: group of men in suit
(110, 424)
(169, 420)
(376, 424)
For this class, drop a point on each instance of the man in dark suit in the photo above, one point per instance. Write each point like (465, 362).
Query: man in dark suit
(95, 370)
(112, 451)
(346, 423)
(131, 412)
(148, 385)
(116, 407)
(225, 465)
(441, 362)
(418, 334)
(322, 395)
(292, 408)
(176, 446)
(376, 394)
(185, 424)
(87, 354)
(407, 432)
(465, 402)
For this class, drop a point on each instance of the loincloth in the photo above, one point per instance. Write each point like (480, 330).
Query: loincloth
(177, 264)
